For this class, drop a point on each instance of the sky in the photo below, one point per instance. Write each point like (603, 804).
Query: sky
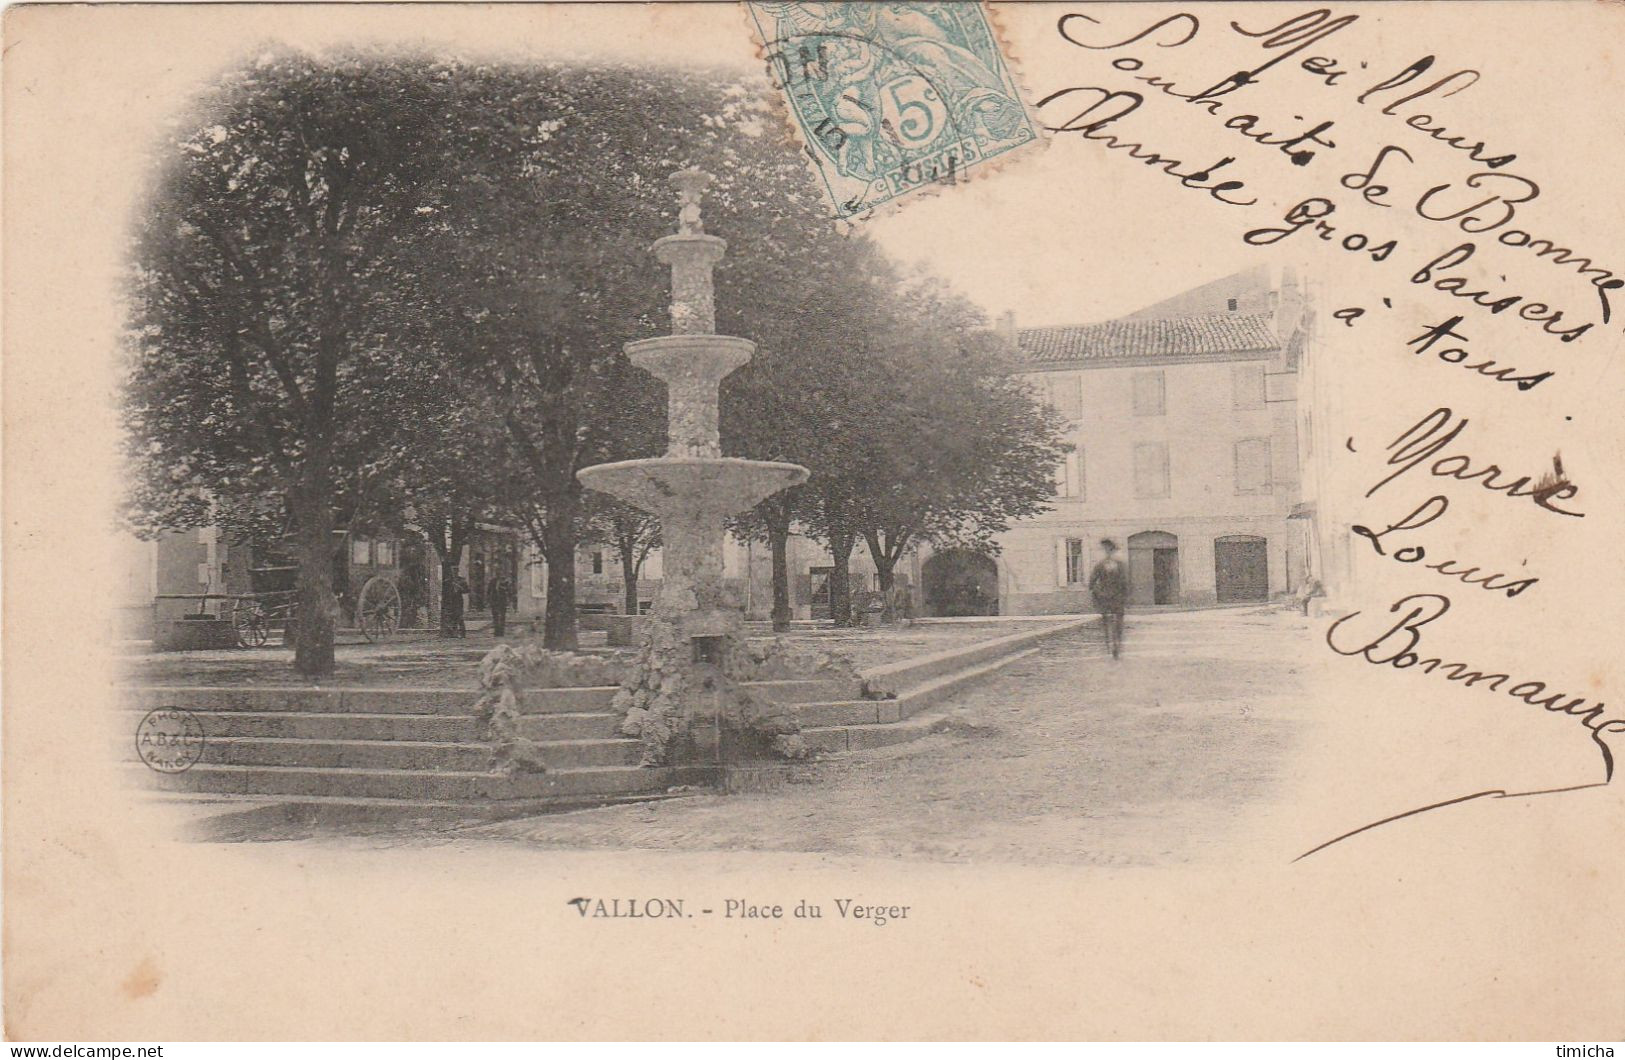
(1011, 241)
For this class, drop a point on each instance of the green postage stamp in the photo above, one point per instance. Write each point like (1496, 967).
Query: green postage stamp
(892, 97)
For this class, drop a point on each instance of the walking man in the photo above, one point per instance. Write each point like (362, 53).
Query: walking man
(1108, 586)
(499, 594)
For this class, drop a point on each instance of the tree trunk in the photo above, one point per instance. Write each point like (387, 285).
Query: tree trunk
(778, 538)
(317, 615)
(629, 572)
(559, 548)
(448, 614)
(840, 579)
(449, 541)
(885, 564)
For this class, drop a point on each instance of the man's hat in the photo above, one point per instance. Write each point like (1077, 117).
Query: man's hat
(1107, 542)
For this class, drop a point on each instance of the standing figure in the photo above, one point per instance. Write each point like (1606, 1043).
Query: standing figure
(499, 595)
(1108, 586)
(454, 593)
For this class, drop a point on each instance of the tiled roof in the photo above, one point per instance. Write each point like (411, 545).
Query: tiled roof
(1128, 340)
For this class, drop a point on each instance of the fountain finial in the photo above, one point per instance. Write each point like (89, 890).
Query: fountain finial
(690, 184)
(691, 254)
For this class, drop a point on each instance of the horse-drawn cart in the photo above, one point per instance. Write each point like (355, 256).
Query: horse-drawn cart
(274, 605)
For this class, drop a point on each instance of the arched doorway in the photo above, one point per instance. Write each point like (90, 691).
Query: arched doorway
(1241, 568)
(960, 582)
(1153, 568)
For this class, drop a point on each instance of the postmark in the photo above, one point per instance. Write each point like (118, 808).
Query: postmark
(169, 740)
(893, 98)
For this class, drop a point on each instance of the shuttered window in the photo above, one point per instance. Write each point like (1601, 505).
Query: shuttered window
(1064, 393)
(1069, 476)
(1149, 393)
(1076, 573)
(1151, 469)
(1247, 386)
(1253, 466)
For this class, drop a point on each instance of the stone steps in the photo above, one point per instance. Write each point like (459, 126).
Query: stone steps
(300, 781)
(424, 746)
(424, 729)
(407, 727)
(904, 718)
(452, 756)
(267, 699)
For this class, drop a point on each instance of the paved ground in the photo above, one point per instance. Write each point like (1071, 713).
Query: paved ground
(1166, 756)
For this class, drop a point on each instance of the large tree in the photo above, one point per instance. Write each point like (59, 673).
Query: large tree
(813, 395)
(965, 449)
(904, 407)
(277, 331)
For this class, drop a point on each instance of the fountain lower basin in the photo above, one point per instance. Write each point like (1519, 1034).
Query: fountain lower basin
(716, 485)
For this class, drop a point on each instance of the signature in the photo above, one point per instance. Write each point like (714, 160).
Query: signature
(1397, 645)
(1425, 513)
(1429, 435)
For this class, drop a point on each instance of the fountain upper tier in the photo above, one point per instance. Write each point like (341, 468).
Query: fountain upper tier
(692, 367)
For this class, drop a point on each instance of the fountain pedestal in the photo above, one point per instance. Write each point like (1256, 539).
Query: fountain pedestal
(684, 697)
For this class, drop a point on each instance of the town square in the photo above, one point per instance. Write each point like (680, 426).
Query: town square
(443, 510)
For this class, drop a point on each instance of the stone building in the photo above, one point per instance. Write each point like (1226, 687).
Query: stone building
(1185, 422)
(157, 581)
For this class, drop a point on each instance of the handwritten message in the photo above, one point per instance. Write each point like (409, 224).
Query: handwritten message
(1331, 148)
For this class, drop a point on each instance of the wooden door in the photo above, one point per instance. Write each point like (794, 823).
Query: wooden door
(1165, 575)
(1241, 569)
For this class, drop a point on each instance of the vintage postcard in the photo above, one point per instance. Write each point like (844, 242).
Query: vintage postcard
(814, 521)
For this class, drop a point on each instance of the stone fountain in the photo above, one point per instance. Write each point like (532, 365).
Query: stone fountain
(685, 698)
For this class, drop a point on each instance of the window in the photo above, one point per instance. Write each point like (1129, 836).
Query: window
(1253, 466)
(1069, 476)
(1148, 393)
(1065, 395)
(538, 579)
(1075, 573)
(1151, 469)
(598, 562)
(1231, 305)
(360, 550)
(1247, 386)
(384, 553)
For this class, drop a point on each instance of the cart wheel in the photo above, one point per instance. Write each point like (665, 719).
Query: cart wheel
(248, 621)
(378, 609)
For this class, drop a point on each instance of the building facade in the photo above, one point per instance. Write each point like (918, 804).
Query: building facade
(1185, 425)
(180, 572)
